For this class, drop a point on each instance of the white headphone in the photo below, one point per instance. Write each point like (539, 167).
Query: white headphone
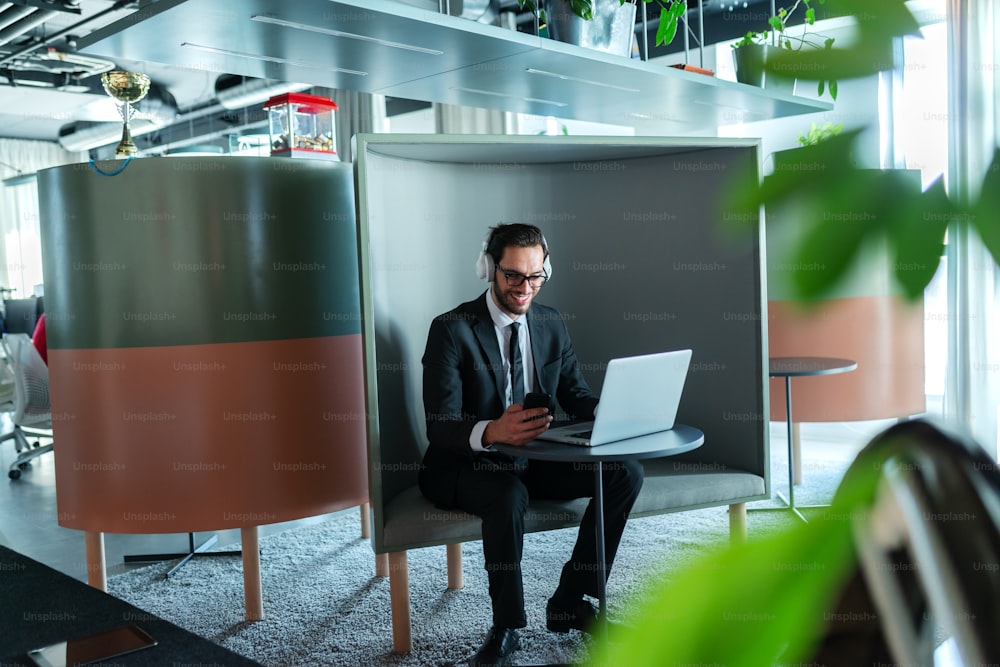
(485, 269)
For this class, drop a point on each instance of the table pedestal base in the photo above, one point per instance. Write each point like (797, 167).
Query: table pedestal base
(794, 509)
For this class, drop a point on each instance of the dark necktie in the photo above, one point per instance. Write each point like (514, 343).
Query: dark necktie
(516, 367)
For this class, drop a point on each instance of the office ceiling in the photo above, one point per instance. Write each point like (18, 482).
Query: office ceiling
(50, 64)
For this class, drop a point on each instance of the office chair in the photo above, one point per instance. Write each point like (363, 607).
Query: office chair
(928, 554)
(32, 411)
(21, 315)
(6, 394)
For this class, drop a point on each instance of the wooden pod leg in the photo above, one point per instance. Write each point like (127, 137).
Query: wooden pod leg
(738, 523)
(365, 521)
(381, 565)
(399, 596)
(250, 541)
(97, 574)
(455, 576)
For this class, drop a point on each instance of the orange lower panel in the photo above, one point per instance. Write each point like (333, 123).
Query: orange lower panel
(882, 333)
(208, 437)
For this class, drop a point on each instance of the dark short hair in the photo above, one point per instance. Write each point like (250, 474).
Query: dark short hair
(514, 234)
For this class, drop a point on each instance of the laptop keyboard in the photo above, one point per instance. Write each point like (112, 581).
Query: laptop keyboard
(584, 435)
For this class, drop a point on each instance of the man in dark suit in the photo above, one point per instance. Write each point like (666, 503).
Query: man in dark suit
(481, 359)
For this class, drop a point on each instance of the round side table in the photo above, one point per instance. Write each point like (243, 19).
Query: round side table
(789, 367)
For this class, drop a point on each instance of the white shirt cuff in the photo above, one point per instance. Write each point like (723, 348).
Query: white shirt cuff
(476, 437)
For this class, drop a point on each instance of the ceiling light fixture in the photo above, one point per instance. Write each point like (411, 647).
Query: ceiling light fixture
(340, 33)
(270, 59)
(513, 97)
(746, 115)
(566, 77)
(655, 117)
(20, 178)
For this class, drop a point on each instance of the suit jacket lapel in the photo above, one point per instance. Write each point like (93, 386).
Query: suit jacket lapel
(486, 335)
(542, 344)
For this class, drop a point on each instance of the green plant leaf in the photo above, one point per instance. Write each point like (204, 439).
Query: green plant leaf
(759, 603)
(833, 89)
(835, 205)
(765, 602)
(882, 20)
(839, 208)
(583, 8)
(805, 171)
(829, 248)
(861, 60)
(916, 233)
(667, 28)
(801, 172)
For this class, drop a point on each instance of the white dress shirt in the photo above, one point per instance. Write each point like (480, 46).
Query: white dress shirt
(501, 326)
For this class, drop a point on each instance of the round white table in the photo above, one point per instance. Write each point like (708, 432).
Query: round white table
(681, 438)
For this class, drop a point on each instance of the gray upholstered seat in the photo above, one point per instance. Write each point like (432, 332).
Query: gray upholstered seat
(670, 484)
(413, 521)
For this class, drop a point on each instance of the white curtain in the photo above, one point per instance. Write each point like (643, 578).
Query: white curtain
(971, 396)
(451, 119)
(20, 244)
(356, 113)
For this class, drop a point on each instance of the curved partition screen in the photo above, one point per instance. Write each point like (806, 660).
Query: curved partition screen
(204, 340)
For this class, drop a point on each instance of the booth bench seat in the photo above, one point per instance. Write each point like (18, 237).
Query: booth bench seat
(411, 521)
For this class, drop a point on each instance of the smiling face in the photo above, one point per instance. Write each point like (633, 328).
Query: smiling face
(516, 299)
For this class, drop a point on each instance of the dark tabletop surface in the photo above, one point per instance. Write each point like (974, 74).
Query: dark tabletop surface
(40, 606)
(680, 439)
(796, 366)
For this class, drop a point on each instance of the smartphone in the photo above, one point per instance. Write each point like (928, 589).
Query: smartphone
(93, 648)
(537, 399)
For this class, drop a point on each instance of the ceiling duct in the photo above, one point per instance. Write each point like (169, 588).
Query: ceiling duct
(24, 25)
(56, 69)
(13, 14)
(253, 91)
(85, 136)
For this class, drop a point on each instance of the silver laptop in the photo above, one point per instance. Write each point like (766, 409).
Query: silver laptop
(640, 396)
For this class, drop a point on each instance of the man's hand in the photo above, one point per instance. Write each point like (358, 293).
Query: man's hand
(517, 426)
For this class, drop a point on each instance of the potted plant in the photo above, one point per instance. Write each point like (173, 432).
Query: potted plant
(605, 25)
(820, 133)
(753, 51)
(791, 159)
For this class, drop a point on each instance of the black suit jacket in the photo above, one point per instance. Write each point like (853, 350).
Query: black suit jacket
(464, 384)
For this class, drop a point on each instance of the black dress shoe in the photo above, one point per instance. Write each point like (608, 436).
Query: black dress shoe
(581, 615)
(500, 644)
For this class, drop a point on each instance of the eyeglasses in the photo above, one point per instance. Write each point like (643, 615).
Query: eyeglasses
(515, 279)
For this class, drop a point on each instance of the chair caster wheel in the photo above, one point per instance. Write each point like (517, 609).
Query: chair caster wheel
(14, 474)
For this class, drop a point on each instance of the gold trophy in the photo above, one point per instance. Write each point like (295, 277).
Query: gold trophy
(126, 88)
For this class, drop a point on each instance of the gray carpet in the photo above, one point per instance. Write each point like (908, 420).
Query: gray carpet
(324, 606)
